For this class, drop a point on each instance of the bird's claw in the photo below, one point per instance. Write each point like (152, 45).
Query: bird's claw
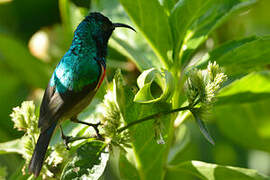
(67, 141)
(95, 126)
(65, 138)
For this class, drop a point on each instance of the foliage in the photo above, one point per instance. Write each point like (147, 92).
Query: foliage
(3, 172)
(147, 131)
(89, 162)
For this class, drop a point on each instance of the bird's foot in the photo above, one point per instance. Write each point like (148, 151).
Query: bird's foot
(95, 126)
(65, 138)
(66, 142)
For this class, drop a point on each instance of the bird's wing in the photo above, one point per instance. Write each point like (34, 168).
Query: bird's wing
(55, 104)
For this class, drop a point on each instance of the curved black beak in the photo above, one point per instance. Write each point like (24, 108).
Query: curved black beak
(123, 25)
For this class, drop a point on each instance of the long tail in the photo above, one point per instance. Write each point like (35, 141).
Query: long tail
(38, 156)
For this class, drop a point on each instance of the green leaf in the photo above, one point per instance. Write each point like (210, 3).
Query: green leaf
(156, 30)
(241, 56)
(12, 92)
(207, 171)
(145, 80)
(127, 170)
(28, 68)
(182, 139)
(185, 12)
(144, 144)
(14, 146)
(17, 173)
(246, 124)
(124, 95)
(193, 21)
(150, 161)
(65, 14)
(3, 173)
(250, 88)
(214, 15)
(203, 127)
(134, 54)
(71, 15)
(168, 5)
(88, 163)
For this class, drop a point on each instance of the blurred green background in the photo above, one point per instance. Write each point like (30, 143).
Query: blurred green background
(34, 37)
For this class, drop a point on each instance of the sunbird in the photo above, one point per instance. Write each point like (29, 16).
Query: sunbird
(74, 81)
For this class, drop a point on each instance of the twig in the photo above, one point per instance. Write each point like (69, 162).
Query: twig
(152, 117)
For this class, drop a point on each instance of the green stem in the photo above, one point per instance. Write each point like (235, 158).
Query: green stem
(152, 117)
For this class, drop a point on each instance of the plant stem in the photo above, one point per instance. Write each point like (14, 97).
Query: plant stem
(152, 117)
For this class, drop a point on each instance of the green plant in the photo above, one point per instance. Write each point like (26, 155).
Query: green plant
(149, 148)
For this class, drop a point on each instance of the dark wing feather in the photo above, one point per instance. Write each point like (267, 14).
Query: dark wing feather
(47, 112)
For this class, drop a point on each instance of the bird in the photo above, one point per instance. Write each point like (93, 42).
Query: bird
(74, 81)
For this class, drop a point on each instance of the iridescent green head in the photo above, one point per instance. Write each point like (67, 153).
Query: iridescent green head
(104, 25)
(97, 28)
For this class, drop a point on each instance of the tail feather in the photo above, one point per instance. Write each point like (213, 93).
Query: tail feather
(39, 153)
